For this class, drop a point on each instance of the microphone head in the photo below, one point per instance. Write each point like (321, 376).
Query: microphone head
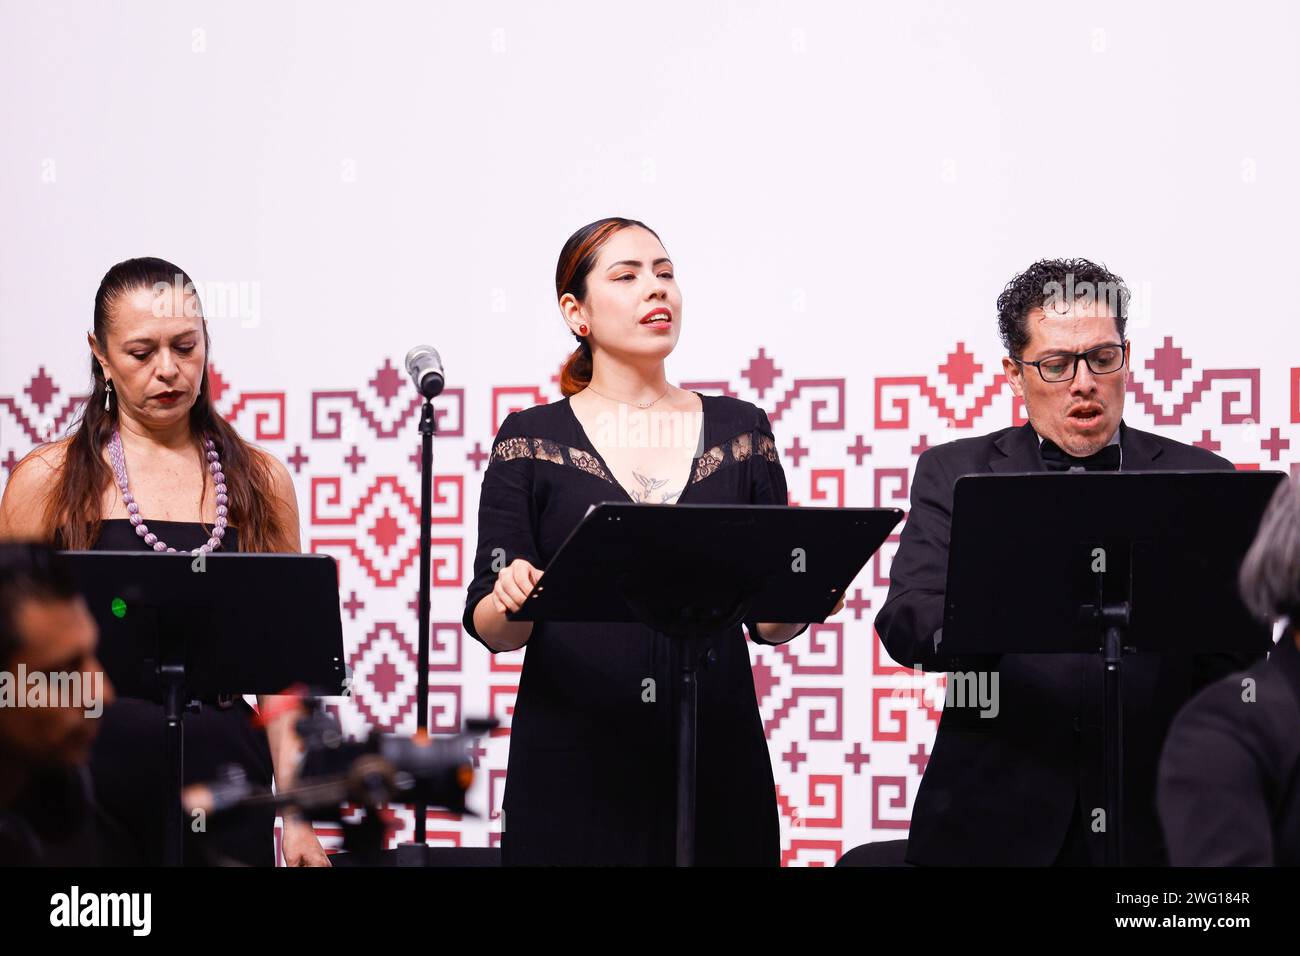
(419, 357)
(424, 365)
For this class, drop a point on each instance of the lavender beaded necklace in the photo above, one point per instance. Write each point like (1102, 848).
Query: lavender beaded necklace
(214, 466)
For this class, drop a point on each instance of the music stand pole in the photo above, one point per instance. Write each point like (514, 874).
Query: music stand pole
(171, 673)
(1114, 618)
(687, 736)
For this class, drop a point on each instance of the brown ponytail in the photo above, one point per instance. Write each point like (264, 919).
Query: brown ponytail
(575, 375)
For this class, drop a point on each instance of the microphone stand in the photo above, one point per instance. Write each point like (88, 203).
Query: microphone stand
(413, 853)
(425, 369)
(428, 427)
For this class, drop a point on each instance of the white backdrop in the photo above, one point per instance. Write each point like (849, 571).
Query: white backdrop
(844, 188)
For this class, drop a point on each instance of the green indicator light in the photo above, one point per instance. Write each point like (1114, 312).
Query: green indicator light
(119, 607)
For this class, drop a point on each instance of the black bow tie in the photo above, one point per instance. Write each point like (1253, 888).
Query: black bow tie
(1056, 460)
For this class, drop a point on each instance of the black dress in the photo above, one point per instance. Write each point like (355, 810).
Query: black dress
(591, 769)
(126, 762)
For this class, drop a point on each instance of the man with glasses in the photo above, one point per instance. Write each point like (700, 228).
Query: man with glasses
(1022, 783)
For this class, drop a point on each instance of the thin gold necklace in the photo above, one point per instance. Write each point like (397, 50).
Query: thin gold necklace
(637, 404)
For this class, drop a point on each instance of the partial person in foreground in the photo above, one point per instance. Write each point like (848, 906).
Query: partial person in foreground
(48, 815)
(1229, 791)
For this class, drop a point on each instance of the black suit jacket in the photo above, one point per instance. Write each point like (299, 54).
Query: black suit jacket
(1229, 791)
(1004, 790)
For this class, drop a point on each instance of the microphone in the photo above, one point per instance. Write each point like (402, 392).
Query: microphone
(425, 368)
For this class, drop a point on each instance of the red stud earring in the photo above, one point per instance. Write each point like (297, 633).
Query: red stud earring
(582, 329)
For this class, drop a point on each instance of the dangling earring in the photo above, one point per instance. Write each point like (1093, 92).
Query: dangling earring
(108, 394)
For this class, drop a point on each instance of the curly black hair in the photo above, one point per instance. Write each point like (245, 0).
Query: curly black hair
(1056, 278)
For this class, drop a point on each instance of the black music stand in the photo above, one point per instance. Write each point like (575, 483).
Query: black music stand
(1107, 563)
(244, 624)
(664, 566)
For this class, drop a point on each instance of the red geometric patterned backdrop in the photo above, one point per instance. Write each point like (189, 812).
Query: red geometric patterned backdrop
(849, 731)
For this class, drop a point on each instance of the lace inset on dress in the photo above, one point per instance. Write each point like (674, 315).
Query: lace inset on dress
(544, 449)
(731, 452)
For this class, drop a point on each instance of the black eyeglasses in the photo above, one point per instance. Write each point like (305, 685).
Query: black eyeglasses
(1102, 360)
